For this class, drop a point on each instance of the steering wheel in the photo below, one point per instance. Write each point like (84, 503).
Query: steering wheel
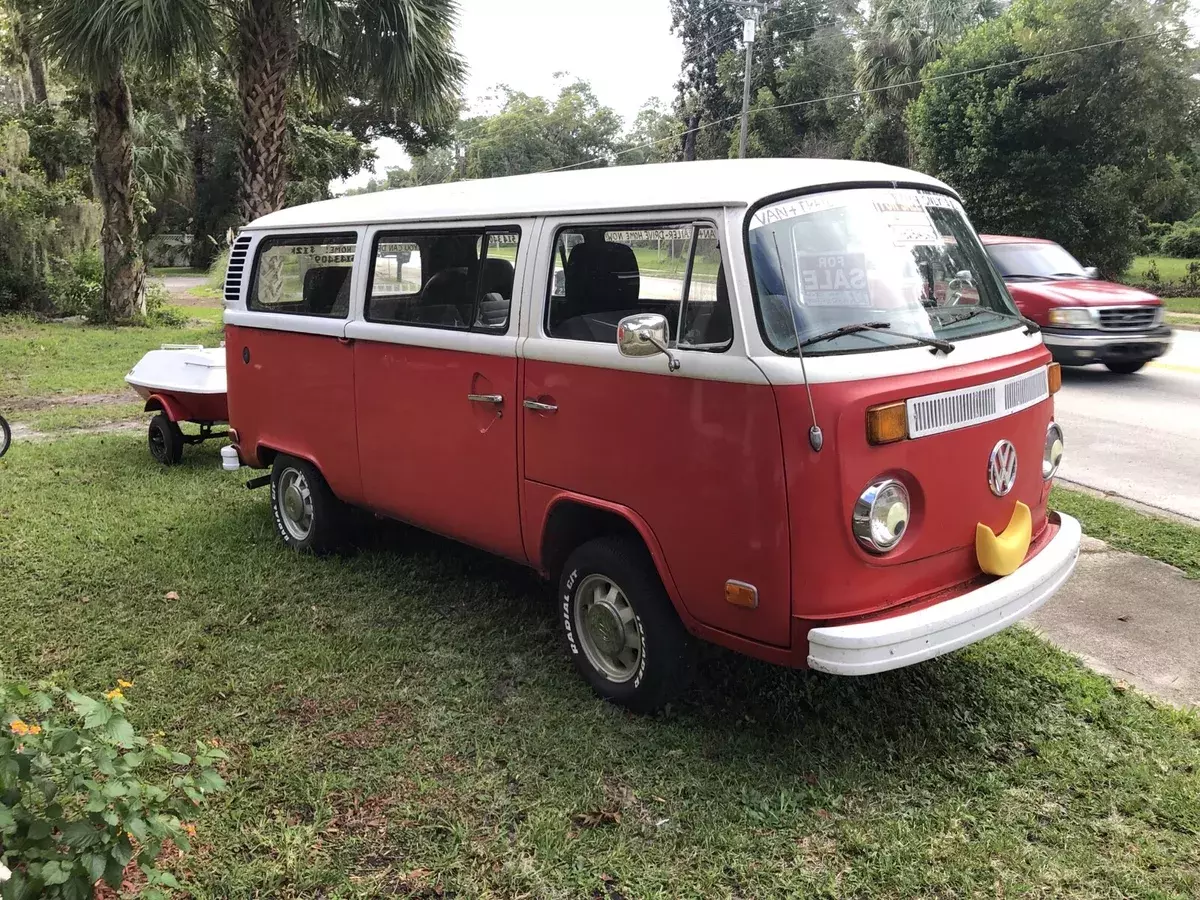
(957, 285)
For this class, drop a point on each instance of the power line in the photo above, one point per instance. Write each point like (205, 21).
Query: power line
(891, 87)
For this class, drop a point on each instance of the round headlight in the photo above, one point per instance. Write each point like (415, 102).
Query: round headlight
(881, 515)
(1053, 454)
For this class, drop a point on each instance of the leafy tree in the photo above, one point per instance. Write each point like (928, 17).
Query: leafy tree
(529, 134)
(900, 38)
(1060, 146)
(653, 138)
(710, 30)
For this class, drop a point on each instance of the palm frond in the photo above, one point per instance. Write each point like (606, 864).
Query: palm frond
(93, 38)
(404, 49)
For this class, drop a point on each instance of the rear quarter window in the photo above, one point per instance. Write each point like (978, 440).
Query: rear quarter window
(304, 276)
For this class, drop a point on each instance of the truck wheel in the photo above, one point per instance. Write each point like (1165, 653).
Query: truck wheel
(166, 440)
(1125, 368)
(622, 632)
(308, 516)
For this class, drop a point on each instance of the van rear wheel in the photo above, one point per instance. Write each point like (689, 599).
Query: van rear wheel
(621, 630)
(308, 516)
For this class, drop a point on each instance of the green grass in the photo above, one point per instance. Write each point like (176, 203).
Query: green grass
(651, 261)
(404, 720)
(49, 360)
(1126, 529)
(1183, 304)
(202, 314)
(67, 417)
(1170, 268)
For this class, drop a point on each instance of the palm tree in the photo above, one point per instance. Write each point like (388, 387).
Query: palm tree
(401, 50)
(902, 37)
(96, 40)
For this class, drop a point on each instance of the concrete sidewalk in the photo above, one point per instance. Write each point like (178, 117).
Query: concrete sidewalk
(1132, 618)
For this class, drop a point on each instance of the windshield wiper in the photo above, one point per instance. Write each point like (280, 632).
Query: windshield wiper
(1029, 325)
(944, 346)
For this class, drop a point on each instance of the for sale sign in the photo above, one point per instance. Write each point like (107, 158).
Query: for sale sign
(833, 279)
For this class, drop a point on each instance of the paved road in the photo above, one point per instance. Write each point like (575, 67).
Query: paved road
(1137, 435)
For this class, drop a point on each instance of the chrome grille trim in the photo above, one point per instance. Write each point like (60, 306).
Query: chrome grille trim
(236, 270)
(951, 410)
(1127, 318)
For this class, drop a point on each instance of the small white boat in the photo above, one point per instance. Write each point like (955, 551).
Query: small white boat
(181, 383)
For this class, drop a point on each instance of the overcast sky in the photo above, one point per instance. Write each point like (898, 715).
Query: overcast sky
(623, 47)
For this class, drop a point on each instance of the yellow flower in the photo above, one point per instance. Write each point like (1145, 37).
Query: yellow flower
(35, 729)
(19, 727)
(114, 694)
(124, 684)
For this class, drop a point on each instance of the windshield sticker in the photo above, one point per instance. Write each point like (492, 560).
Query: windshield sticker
(915, 235)
(801, 206)
(940, 201)
(833, 279)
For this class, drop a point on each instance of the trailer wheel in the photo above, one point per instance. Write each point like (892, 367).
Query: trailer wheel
(622, 631)
(5, 436)
(166, 440)
(308, 516)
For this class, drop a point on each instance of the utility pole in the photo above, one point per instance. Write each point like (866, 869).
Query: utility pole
(753, 9)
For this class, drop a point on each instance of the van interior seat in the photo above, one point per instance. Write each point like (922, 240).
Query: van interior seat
(444, 297)
(603, 286)
(327, 290)
(495, 294)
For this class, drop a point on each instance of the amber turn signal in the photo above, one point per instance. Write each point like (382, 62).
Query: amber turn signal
(1054, 377)
(741, 594)
(887, 423)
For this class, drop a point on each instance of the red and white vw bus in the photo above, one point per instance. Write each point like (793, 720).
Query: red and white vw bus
(786, 406)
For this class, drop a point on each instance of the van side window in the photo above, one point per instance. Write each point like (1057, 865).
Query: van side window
(461, 280)
(304, 276)
(604, 273)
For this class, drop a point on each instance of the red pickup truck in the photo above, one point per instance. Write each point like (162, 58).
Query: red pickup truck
(1083, 318)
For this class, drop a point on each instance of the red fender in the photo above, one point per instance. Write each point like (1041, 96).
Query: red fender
(166, 404)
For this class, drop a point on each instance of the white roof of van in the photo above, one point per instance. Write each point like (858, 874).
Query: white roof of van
(725, 182)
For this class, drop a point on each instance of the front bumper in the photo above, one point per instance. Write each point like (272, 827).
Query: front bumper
(1083, 346)
(865, 648)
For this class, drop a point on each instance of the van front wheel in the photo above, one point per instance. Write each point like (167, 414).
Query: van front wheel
(622, 632)
(307, 515)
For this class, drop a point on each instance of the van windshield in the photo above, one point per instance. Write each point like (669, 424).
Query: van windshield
(904, 262)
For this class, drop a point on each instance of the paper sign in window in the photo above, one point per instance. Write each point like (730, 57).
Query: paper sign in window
(833, 279)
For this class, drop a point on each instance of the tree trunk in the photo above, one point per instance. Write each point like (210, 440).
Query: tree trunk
(689, 140)
(112, 171)
(37, 73)
(267, 54)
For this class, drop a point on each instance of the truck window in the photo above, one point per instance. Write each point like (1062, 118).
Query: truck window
(304, 276)
(604, 273)
(461, 280)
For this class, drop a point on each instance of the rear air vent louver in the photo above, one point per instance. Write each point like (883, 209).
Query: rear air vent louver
(971, 406)
(237, 267)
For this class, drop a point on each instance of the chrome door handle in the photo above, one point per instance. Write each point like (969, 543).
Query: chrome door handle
(539, 406)
(486, 398)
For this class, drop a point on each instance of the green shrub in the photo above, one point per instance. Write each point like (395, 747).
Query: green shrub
(82, 796)
(76, 287)
(157, 310)
(1183, 240)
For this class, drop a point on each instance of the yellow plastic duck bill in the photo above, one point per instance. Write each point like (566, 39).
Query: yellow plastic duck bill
(1002, 554)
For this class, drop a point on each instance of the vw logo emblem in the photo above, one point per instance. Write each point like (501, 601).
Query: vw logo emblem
(1002, 468)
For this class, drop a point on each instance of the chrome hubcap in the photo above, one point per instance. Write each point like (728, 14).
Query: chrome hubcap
(608, 629)
(295, 504)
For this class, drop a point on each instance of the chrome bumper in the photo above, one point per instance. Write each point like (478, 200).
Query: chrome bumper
(876, 646)
(1098, 340)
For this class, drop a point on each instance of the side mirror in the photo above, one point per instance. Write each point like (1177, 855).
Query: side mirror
(1091, 272)
(645, 334)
